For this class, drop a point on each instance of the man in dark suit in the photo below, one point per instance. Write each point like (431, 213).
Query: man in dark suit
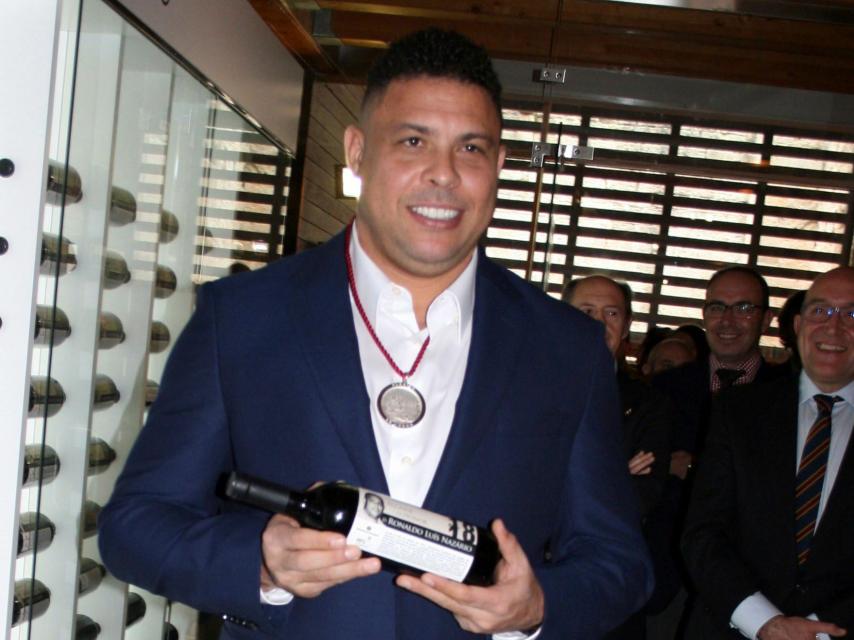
(399, 358)
(769, 538)
(647, 415)
(735, 315)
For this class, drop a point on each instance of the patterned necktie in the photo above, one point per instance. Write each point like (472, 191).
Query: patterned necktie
(810, 478)
(728, 377)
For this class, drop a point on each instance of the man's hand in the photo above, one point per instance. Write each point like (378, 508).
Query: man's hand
(793, 628)
(306, 562)
(640, 464)
(680, 463)
(514, 603)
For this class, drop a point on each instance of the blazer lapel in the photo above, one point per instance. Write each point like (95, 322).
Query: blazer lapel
(324, 325)
(837, 516)
(497, 336)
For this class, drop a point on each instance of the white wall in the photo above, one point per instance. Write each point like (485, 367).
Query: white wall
(229, 43)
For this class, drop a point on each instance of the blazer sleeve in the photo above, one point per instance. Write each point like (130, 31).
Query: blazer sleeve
(601, 572)
(654, 421)
(164, 527)
(721, 576)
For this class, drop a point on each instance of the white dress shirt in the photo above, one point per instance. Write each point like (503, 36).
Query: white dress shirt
(410, 456)
(755, 610)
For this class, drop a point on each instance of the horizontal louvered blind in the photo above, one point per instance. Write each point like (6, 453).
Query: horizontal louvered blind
(668, 200)
(243, 201)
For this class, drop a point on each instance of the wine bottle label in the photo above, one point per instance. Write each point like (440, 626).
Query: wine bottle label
(411, 536)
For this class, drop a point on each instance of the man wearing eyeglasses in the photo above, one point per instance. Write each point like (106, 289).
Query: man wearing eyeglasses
(769, 537)
(735, 315)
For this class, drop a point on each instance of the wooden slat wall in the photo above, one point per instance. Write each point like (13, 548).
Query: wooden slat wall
(668, 200)
(333, 108)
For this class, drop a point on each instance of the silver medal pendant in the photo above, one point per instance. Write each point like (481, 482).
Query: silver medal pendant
(401, 405)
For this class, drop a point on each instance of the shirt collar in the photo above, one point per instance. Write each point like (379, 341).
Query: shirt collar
(750, 366)
(808, 388)
(371, 281)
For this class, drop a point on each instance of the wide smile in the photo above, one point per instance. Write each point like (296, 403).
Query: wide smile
(827, 347)
(437, 214)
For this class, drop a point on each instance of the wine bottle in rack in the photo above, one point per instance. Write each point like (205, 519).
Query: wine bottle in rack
(30, 601)
(52, 326)
(35, 532)
(159, 337)
(91, 574)
(63, 181)
(169, 632)
(110, 330)
(105, 394)
(168, 226)
(122, 206)
(406, 538)
(85, 628)
(101, 456)
(46, 397)
(58, 257)
(91, 510)
(165, 282)
(41, 464)
(135, 609)
(116, 272)
(151, 391)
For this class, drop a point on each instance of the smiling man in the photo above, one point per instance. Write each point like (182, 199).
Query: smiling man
(769, 538)
(399, 358)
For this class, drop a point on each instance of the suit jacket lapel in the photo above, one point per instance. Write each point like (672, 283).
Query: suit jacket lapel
(497, 337)
(324, 324)
(838, 511)
(776, 477)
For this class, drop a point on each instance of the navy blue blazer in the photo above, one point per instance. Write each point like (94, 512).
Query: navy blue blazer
(266, 379)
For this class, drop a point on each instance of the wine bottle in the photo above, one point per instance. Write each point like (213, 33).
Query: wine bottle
(116, 272)
(35, 532)
(58, 257)
(135, 609)
(170, 632)
(41, 464)
(30, 601)
(85, 628)
(151, 391)
(165, 282)
(52, 326)
(168, 226)
(46, 397)
(62, 180)
(91, 574)
(90, 518)
(122, 206)
(110, 330)
(105, 393)
(159, 337)
(101, 456)
(407, 539)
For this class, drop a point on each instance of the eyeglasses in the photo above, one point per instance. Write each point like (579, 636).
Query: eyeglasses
(818, 313)
(739, 309)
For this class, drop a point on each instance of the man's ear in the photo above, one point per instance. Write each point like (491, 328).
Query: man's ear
(796, 324)
(354, 147)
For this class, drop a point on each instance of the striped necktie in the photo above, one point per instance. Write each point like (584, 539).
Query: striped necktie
(810, 478)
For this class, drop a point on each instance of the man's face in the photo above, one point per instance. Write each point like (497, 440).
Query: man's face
(429, 153)
(734, 338)
(827, 347)
(667, 354)
(601, 299)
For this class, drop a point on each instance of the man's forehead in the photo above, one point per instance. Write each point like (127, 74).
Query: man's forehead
(735, 286)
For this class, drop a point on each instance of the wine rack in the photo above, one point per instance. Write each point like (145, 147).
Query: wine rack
(142, 197)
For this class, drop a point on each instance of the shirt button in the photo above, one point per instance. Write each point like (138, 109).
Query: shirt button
(407, 461)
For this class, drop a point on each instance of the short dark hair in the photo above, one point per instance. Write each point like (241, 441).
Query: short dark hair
(748, 271)
(625, 289)
(437, 53)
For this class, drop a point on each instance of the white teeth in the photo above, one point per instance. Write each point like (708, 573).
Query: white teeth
(830, 347)
(436, 213)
